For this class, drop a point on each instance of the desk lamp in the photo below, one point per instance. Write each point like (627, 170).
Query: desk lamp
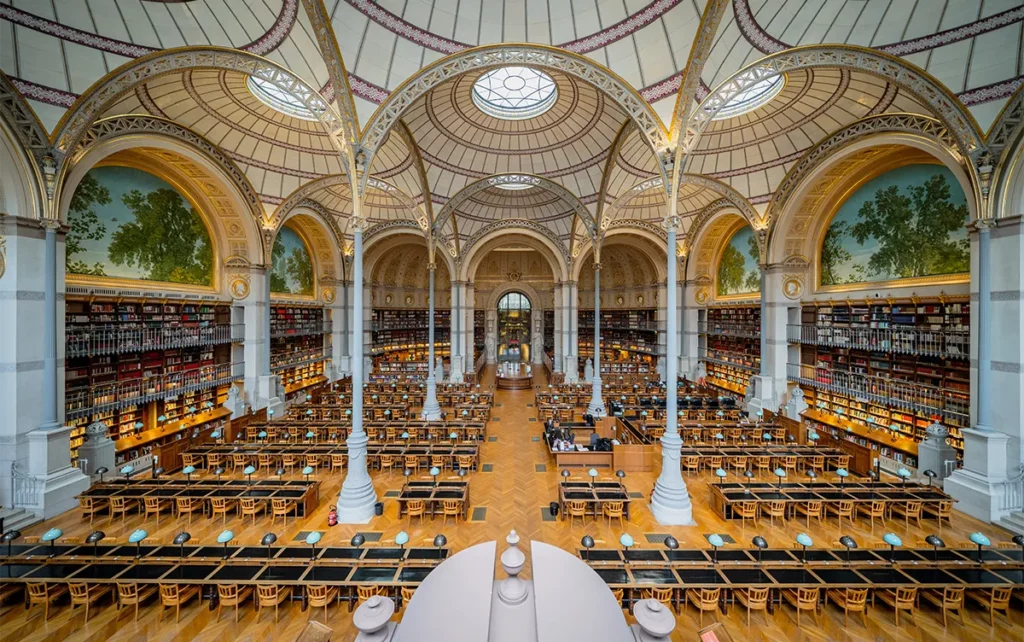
(749, 474)
(402, 539)
(136, 538)
(439, 542)
(981, 540)
(101, 471)
(9, 537)
(671, 543)
(248, 471)
(462, 472)
(930, 474)
(285, 435)
(761, 544)
(127, 472)
(180, 540)
(158, 471)
(893, 541)
(803, 539)
(307, 471)
(715, 541)
(188, 470)
(903, 474)
(849, 543)
(312, 539)
(224, 538)
(781, 474)
(434, 472)
(94, 539)
(593, 476)
(453, 436)
(811, 474)
(51, 536)
(936, 543)
(621, 474)
(720, 473)
(843, 474)
(626, 540)
(358, 540)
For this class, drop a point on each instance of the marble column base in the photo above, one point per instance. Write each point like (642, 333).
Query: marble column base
(670, 502)
(979, 484)
(57, 483)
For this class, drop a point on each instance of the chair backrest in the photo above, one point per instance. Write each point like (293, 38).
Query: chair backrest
(807, 597)
(692, 461)
(877, 509)
(709, 598)
(37, 590)
(843, 461)
(715, 461)
(184, 503)
(953, 596)
(814, 507)
(415, 506)
(451, 506)
(219, 503)
(247, 503)
(913, 508)
(267, 592)
(312, 460)
(412, 461)
(387, 461)
(127, 592)
(288, 460)
(905, 597)
(338, 460)
(117, 503)
(613, 508)
(856, 597)
(845, 507)
(777, 506)
(169, 593)
(945, 508)
(749, 509)
(465, 461)
(1001, 596)
(227, 591)
(365, 592)
(661, 594)
(240, 459)
(316, 592)
(576, 507)
(762, 462)
(407, 592)
(279, 505)
(152, 503)
(757, 595)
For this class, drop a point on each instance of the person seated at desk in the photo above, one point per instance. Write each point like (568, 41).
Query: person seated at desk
(593, 439)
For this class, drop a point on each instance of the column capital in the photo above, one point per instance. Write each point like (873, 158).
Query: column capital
(431, 266)
(672, 223)
(985, 224)
(51, 224)
(597, 266)
(358, 223)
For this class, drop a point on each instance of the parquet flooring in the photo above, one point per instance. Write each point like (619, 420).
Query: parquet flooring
(515, 495)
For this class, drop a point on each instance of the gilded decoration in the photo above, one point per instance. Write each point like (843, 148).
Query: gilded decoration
(239, 286)
(328, 295)
(702, 296)
(793, 285)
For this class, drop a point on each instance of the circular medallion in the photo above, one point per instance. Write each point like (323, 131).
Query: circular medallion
(387, 299)
(239, 288)
(792, 287)
(639, 299)
(701, 296)
(328, 295)
(619, 300)
(408, 300)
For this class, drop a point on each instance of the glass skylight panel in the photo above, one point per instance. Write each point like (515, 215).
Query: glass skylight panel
(514, 93)
(279, 100)
(752, 97)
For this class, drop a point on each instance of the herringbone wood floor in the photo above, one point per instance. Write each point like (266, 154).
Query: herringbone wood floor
(514, 494)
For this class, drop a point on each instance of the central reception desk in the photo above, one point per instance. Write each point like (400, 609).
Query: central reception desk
(633, 454)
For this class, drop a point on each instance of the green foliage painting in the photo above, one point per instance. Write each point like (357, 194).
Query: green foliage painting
(906, 223)
(292, 268)
(737, 269)
(128, 224)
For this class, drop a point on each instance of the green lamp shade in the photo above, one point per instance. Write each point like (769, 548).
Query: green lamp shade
(139, 425)
(465, 412)
(249, 470)
(309, 412)
(308, 470)
(162, 418)
(215, 434)
(313, 537)
(813, 436)
(348, 412)
(191, 408)
(51, 534)
(626, 540)
(188, 470)
(716, 540)
(435, 471)
(128, 470)
(270, 412)
(980, 539)
(803, 539)
(310, 434)
(643, 413)
(892, 539)
(405, 397)
(719, 435)
(405, 435)
(720, 472)
(225, 537)
(842, 472)
(760, 413)
(138, 536)
(779, 472)
(453, 435)
(592, 472)
(402, 538)
(767, 436)
(720, 413)
(263, 434)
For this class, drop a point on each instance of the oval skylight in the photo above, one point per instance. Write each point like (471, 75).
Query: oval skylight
(514, 187)
(279, 100)
(752, 97)
(514, 93)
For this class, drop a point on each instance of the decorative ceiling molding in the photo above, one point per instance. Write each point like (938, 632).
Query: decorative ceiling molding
(1010, 120)
(689, 83)
(514, 224)
(31, 135)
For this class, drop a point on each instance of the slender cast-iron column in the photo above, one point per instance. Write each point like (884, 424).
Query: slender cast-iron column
(431, 408)
(596, 407)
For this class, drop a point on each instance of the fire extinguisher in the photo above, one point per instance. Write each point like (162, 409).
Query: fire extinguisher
(332, 516)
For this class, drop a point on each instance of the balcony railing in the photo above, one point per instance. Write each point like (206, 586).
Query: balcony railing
(296, 359)
(729, 359)
(915, 397)
(956, 345)
(300, 330)
(118, 394)
(96, 340)
(729, 330)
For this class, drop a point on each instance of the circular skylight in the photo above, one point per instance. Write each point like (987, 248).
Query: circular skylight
(752, 97)
(514, 187)
(278, 99)
(514, 93)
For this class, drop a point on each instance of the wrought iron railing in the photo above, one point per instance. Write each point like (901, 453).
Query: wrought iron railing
(729, 330)
(951, 405)
(301, 329)
(95, 340)
(956, 345)
(118, 394)
(28, 489)
(729, 359)
(297, 359)
(1012, 499)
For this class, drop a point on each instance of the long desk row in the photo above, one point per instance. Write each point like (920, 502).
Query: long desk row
(453, 456)
(725, 497)
(305, 494)
(297, 430)
(593, 495)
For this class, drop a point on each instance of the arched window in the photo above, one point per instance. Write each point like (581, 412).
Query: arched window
(514, 301)
(514, 328)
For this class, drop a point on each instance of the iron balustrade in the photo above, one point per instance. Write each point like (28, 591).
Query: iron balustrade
(279, 330)
(729, 330)
(296, 359)
(951, 405)
(97, 340)
(1012, 500)
(954, 345)
(119, 394)
(728, 359)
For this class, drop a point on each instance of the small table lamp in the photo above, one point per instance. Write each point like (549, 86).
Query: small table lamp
(761, 544)
(849, 543)
(51, 536)
(224, 538)
(136, 538)
(936, 543)
(981, 540)
(803, 539)
(312, 539)
(715, 540)
(893, 541)
(180, 540)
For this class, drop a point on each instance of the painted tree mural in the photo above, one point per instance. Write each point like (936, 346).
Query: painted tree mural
(907, 223)
(129, 224)
(291, 265)
(738, 271)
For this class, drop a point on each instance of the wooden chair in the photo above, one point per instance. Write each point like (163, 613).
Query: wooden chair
(232, 595)
(814, 509)
(618, 594)
(755, 599)
(412, 462)
(318, 595)
(902, 599)
(45, 593)
(465, 462)
(612, 510)
(268, 595)
(213, 461)
(82, 593)
(155, 505)
(220, 506)
(941, 511)
(248, 506)
(188, 505)
(337, 462)
(950, 598)
(439, 462)
(842, 461)
(763, 464)
(407, 592)
(313, 461)
(190, 459)
(365, 592)
(386, 462)
(239, 461)
(576, 509)
(451, 508)
(873, 511)
(664, 595)
(704, 599)
(175, 595)
(691, 463)
(841, 510)
(789, 464)
(802, 599)
(265, 462)
(90, 506)
(745, 511)
(415, 508)
(390, 434)
(129, 594)
(909, 510)
(816, 463)
(121, 505)
(281, 508)
(738, 463)
(774, 509)
(289, 462)
(713, 463)
(998, 599)
(850, 599)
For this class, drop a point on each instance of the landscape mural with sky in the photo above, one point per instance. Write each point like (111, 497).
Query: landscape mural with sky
(906, 223)
(291, 269)
(737, 268)
(128, 224)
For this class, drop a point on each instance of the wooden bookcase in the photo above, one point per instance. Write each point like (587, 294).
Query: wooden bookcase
(732, 346)
(299, 345)
(403, 336)
(629, 341)
(894, 367)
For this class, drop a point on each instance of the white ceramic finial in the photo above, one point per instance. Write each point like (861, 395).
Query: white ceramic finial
(372, 617)
(512, 590)
(656, 622)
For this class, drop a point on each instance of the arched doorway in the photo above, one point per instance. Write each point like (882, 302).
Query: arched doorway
(514, 315)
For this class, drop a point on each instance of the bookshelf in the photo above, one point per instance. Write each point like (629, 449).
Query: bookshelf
(403, 336)
(629, 341)
(127, 360)
(299, 345)
(886, 369)
(732, 346)
(479, 332)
